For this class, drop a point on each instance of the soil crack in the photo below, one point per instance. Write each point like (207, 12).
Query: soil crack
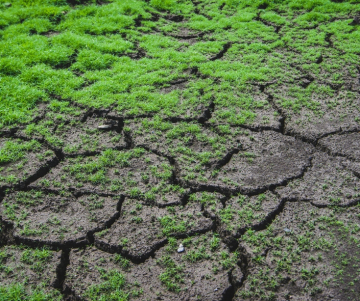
(218, 56)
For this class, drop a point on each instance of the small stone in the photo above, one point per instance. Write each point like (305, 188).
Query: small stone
(105, 126)
(181, 248)
(287, 230)
(215, 290)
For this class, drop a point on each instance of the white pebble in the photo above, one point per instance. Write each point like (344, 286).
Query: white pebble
(181, 248)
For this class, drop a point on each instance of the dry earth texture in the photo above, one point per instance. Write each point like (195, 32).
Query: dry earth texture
(130, 127)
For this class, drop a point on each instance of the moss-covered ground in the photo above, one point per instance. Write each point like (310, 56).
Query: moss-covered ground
(131, 127)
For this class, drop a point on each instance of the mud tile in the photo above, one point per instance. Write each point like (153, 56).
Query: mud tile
(316, 110)
(201, 272)
(311, 127)
(266, 159)
(57, 220)
(137, 173)
(29, 272)
(188, 143)
(87, 137)
(23, 161)
(235, 215)
(347, 145)
(326, 182)
(51, 116)
(242, 212)
(299, 256)
(212, 203)
(142, 229)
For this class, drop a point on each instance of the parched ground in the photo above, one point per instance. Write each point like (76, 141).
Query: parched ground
(180, 150)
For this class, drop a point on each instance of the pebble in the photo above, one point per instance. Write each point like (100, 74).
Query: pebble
(105, 126)
(181, 248)
(215, 290)
(287, 230)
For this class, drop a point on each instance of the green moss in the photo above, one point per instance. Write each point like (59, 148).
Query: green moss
(92, 60)
(17, 100)
(122, 56)
(173, 275)
(110, 289)
(13, 151)
(163, 4)
(274, 18)
(18, 292)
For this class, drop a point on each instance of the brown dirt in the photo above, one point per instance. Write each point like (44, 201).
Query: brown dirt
(19, 265)
(57, 220)
(267, 159)
(307, 247)
(143, 228)
(264, 197)
(198, 279)
(33, 165)
(327, 182)
(347, 145)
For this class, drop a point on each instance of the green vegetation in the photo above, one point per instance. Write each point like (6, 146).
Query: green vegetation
(83, 53)
(20, 267)
(323, 235)
(18, 292)
(18, 159)
(109, 289)
(172, 276)
(13, 151)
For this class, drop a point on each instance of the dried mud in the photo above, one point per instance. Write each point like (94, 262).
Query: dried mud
(266, 205)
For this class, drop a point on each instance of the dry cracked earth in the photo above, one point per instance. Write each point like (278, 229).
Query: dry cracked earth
(265, 199)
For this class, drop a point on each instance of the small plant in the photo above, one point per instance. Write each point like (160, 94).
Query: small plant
(173, 275)
(214, 243)
(110, 289)
(123, 262)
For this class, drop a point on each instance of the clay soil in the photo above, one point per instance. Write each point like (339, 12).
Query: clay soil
(209, 151)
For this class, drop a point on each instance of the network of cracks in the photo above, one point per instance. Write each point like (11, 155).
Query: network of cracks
(284, 178)
(122, 193)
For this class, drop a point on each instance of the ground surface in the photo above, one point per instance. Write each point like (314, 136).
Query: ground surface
(130, 127)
